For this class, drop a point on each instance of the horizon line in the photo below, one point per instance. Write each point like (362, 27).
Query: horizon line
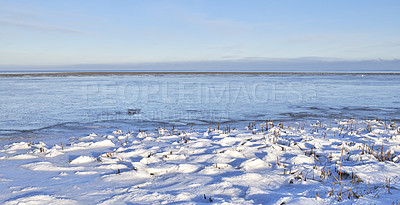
(111, 73)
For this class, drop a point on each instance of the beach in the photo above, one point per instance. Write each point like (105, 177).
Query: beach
(249, 138)
(345, 161)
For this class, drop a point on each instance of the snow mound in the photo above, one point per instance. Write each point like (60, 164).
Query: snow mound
(83, 160)
(18, 146)
(47, 166)
(187, 168)
(255, 164)
(41, 199)
(23, 157)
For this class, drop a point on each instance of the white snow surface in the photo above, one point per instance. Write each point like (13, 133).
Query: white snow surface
(345, 162)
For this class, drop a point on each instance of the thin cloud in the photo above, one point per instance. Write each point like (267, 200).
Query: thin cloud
(384, 45)
(223, 26)
(38, 27)
(228, 47)
(247, 64)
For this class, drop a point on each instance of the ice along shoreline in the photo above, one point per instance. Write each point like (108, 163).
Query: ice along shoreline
(344, 161)
(123, 73)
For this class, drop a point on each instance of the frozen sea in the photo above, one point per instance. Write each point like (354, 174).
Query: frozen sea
(135, 138)
(64, 106)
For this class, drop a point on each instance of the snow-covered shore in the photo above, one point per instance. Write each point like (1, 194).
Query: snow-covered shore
(342, 161)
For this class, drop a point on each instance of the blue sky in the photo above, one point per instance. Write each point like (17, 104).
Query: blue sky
(124, 32)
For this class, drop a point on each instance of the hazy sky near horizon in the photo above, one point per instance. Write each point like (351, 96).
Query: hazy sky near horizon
(46, 32)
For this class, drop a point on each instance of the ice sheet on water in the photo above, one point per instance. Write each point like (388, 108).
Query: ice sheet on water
(80, 104)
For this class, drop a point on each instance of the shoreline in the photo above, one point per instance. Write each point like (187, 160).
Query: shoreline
(123, 73)
(320, 163)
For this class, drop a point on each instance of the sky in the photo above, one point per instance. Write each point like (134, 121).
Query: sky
(129, 32)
